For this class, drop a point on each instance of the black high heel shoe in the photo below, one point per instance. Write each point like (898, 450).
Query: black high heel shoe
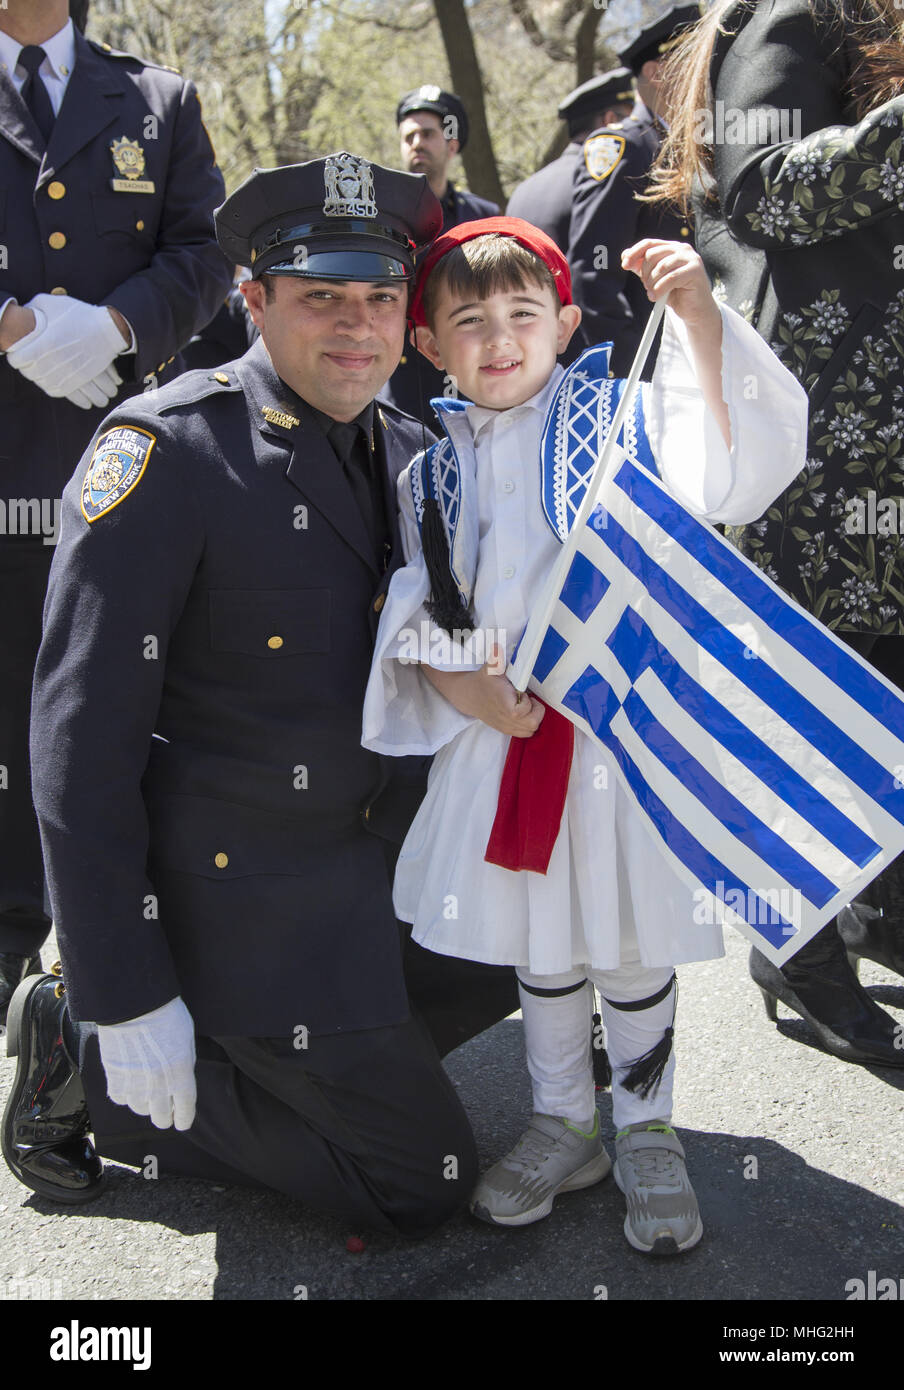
(866, 931)
(819, 985)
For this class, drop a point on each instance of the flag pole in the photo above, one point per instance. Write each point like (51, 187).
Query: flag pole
(520, 672)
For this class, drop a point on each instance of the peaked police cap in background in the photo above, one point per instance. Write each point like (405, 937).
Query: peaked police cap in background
(443, 104)
(338, 218)
(653, 41)
(597, 94)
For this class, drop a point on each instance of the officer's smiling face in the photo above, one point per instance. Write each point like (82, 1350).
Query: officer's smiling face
(334, 342)
(499, 350)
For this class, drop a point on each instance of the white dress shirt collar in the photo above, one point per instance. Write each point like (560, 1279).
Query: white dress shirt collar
(479, 417)
(56, 68)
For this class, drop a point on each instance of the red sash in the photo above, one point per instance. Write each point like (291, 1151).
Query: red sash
(532, 795)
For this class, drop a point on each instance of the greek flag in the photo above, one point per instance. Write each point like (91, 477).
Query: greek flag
(766, 756)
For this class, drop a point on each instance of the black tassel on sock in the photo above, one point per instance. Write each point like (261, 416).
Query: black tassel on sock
(445, 604)
(602, 1067)
(644, 1074)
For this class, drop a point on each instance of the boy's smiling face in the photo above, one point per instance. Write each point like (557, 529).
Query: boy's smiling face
(499, 350)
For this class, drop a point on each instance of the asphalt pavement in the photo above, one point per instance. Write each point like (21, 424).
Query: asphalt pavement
(797, 1159)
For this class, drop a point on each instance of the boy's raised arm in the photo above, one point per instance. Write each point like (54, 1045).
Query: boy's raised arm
(667, 267)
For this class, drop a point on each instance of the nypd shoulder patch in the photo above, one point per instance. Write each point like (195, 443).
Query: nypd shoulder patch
(117, 464)
(602, 153)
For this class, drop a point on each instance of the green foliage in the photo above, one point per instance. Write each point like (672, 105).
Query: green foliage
(287, 80)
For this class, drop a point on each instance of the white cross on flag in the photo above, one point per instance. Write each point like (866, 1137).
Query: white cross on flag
(766, 756)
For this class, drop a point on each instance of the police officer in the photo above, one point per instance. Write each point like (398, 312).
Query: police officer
(210, 820)
(108, 263)
(606, 216)
(545, 197)
(229, 334)
(433, 129)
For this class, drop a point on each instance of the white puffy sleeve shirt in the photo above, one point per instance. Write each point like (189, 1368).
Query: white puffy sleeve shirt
(768, 414)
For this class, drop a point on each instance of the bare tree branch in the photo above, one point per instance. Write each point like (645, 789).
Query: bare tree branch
(380, 23)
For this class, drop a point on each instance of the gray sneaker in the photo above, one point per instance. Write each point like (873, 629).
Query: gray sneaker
(552, 1156)
(663, 1217)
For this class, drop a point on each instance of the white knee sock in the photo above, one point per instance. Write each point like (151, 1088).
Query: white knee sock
(557, 1035)
(630, 1033)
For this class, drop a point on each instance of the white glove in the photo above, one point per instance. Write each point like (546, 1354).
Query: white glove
(150, 1064)
(70, 345)
(100, 391)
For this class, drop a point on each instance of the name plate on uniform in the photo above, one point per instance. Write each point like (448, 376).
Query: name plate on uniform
(128, 160)
(133, 185)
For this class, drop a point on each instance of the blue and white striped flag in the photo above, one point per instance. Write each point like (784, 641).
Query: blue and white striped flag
(766, 756)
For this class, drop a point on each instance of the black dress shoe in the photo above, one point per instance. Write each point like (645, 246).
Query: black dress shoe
(13, 970)
(819, 984)
(44, 1131)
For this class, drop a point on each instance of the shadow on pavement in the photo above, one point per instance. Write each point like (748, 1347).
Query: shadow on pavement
(774, 1226)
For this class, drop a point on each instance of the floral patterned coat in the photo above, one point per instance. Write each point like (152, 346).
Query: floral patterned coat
(806, 240)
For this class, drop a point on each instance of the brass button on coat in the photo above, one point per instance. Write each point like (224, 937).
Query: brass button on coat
(56, 189)
(139, 225)
(274, 642)
(57, 240)
(58, 289)
(221, 860)
(378, 602)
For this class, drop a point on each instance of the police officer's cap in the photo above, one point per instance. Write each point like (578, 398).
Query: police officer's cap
(594, 96)
(657, 38)
(338, 218)
(444, 104)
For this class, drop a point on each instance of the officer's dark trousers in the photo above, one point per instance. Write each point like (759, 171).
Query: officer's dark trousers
(24, 568)
(365, 1126)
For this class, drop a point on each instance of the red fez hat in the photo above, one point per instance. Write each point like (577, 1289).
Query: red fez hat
(523, 232)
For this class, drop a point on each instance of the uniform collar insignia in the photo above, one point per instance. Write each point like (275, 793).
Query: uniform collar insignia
(282, 418)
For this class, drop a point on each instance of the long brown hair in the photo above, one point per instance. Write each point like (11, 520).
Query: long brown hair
(873, 29)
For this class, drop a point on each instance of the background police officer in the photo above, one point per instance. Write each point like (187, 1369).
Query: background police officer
(606, 216)
(545, 197)
(224, 909)
(433, 129)
(108, 264)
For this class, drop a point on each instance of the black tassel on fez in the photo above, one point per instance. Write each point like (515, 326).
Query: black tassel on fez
(645, 1073)
(444, 604)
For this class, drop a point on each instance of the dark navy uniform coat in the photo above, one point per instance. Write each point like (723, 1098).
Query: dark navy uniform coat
(606, 218)
(416, 381)
(544, 199)
(226, 605)
(153, 256)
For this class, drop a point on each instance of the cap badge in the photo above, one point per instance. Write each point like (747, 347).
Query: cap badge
(429, 93)
(128, 159)
(349, 187)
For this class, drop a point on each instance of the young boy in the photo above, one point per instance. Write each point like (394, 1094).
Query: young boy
(493, 307)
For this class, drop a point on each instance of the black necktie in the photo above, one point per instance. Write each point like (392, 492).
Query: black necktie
(34, 93)
(351, 449)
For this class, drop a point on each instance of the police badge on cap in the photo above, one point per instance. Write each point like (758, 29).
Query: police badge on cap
(338, 218)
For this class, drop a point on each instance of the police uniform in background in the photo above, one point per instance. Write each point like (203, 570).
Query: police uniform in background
(107, 189)
(544, 198)
(211, 823)
(416, 381)
(229, 334)
(606, 217)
